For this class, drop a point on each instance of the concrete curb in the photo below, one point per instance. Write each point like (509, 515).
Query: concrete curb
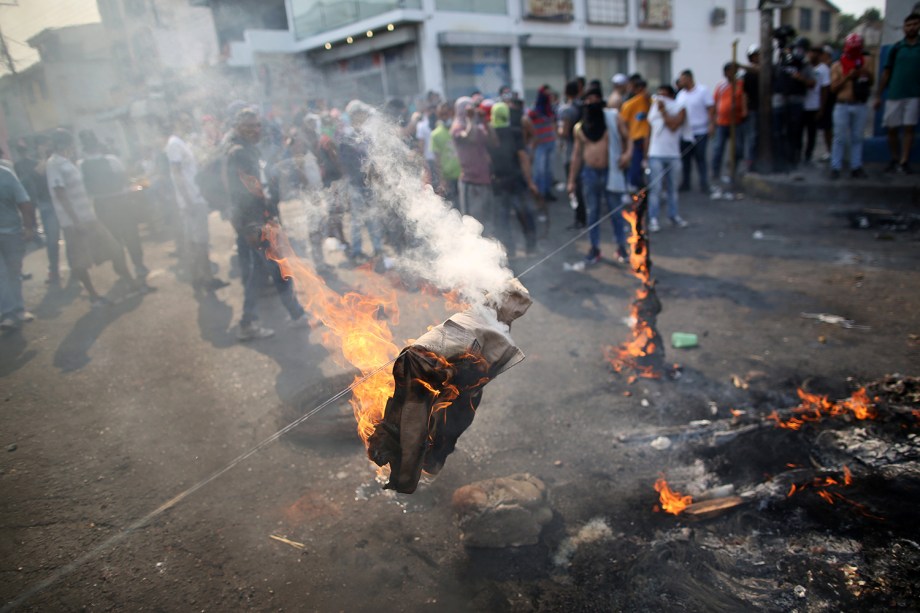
(815, 187)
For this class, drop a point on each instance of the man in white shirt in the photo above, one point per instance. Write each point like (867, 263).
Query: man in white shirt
(816, 101)
(667, 118)
(696, 99)
(87, 241)
(193, 208)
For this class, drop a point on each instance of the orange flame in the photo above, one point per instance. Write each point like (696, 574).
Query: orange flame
(351, 323)
(671, 501)
(814, 408)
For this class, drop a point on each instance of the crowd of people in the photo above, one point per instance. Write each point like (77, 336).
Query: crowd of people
(494, 159)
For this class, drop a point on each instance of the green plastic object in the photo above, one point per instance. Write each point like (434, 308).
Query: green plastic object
(684, 340)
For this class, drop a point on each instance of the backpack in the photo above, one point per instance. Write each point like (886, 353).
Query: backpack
(101, 179)
(212, 182)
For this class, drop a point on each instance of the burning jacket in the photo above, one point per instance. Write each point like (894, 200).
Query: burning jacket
(439, 381)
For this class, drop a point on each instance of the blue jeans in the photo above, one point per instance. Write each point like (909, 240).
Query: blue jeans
(635, 176)
(12, 250)
(514, 201)
(52, 230)
(254, 267)
(543, 166)
(361, 215)
(695, 152)
(849, 127)
(664, 173)
(594, 187)
(722, 138)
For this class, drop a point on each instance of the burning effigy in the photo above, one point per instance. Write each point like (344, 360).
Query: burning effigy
(438, 383)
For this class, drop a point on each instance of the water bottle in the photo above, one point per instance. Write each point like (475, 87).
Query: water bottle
(573, 201)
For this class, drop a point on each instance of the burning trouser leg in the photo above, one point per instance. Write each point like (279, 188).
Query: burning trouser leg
(438, 387)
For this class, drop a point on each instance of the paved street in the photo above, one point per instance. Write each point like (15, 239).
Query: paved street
(108, 414)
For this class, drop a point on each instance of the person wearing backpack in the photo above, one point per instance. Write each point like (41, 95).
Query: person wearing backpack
(193, 206)
(106, 183)
(901, 76)
(851, 81)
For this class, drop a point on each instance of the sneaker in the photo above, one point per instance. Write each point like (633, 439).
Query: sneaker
(594, 256)
(8, 323)
(653, 225)
(253, 331)
(299, 322)
(891, 167)
(858, 173)
(835, 174)
(679, 221)
(99, 301)
(826, 157)
(622, 255)
(904, 169)
(26, 317)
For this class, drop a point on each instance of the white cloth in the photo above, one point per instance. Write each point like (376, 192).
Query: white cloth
(697, 101)
(183, 167)
(664, 142)
(62, 173)
(616, 180)
(813, 95)
(423, 133)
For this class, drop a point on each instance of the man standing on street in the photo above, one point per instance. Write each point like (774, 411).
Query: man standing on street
(17, 224)
(86, 240)
(851, 80)
(251, 208)
(667, 119)
(901, 76)
(697, 100)
(31, 172)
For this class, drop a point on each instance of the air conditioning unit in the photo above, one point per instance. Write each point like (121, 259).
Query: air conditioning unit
(765, 5)
(717, 17)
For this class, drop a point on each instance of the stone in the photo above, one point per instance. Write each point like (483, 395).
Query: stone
(502, 512)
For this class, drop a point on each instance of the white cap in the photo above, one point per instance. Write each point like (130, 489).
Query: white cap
(754, 48)
(619, 79)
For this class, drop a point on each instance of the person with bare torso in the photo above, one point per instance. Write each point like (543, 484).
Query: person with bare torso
(596, 141)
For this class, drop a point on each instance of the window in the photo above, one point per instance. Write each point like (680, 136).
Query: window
(613, 12)
(655, 13)
(499, 7)
(604, 63)
(824, 22)
(805, 20)
(550, 10)
(740, 16)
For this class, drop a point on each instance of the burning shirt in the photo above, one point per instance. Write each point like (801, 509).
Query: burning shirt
(438, 386)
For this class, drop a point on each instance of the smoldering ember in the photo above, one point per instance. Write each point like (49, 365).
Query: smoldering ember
(357, 352)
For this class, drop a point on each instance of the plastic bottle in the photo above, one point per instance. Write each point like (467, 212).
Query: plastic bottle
(684, 340)
(573, 201)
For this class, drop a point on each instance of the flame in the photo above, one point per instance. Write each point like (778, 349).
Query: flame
(351, 323)
(847, 476)
(814, 407)
(736, 412)
(638, 253)
(671, 501)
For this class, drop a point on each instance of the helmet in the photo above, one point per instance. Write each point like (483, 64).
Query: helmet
(802, 43)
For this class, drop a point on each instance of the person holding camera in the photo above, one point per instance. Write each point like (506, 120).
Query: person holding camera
(793, 77)
(851, 81)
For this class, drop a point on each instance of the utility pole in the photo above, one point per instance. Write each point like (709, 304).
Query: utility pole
(765, 118)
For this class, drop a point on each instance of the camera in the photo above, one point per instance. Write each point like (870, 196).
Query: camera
(783, 34)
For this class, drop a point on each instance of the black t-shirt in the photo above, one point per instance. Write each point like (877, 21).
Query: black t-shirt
(752, 90)
(506, 166)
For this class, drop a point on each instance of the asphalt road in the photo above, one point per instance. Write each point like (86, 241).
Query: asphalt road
(109, 414)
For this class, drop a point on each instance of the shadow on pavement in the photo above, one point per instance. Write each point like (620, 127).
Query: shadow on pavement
(73, 352)
(13, 355)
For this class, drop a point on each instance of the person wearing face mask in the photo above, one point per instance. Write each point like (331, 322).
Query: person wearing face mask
(851, 81)
(792, 78)
(599, 138)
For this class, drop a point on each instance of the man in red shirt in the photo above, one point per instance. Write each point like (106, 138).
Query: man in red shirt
(729, 110)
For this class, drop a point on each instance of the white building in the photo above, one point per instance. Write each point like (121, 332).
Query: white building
(378, 49)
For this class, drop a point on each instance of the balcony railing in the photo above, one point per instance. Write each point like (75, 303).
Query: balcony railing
(317, 16)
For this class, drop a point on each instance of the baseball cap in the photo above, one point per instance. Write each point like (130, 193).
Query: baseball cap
(619, 79)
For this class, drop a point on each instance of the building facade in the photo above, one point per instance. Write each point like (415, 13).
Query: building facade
(816, 20)
(380, 49)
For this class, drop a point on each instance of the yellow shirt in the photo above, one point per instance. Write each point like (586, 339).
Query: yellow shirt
(635, 113)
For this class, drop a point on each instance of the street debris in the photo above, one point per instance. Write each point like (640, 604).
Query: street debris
(293, 544)
(835, 320)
